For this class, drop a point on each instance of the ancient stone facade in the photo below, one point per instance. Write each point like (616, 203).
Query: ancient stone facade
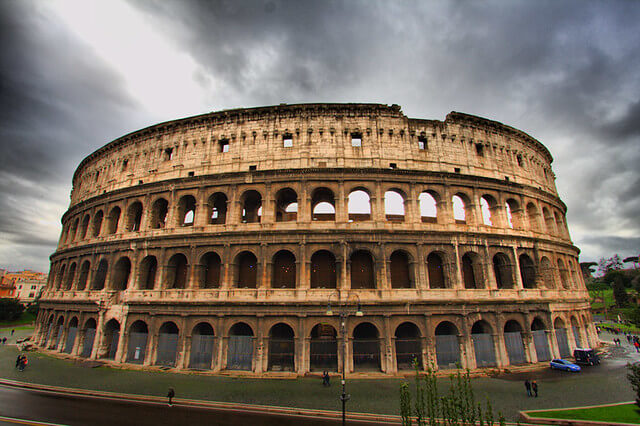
(234, 240)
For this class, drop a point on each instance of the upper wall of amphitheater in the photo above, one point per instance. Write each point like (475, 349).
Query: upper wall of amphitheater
(314, 136)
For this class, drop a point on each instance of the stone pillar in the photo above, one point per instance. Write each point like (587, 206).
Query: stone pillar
(529, 347)
(502, 358)
(342, 204)
(553, 342)
(304, 205)
(226, 266)
(99, 337)
(303, 268)
(201, 215)
(458, 283)
(123, 342)
(377, 204)
(346, 270)
(421, 273)
(412, 207)
(516, 269)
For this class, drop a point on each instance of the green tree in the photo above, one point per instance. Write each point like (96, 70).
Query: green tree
(607, 264)
(634, 378)
(620, 294)
(10, 309)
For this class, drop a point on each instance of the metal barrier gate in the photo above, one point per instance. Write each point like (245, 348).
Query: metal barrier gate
(202, 351)
(323, 354)
(281, 354)
(563, 342)
(240, 353)
(113, 346)
(484, 349)
(576, 336)
(541, 343)
(87, 346)
(58, 336)
(515, 347)
(447, 351)
(71, 339)
(167, 349)
(406, 351)
(137, 349)
(366, 354)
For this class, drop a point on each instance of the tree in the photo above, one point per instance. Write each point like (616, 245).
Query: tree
(620, 294)
(607, 264)
(634, 378)
(10, 309)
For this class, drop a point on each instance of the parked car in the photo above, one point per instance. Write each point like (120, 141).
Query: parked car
(586, 356)
(563, 364)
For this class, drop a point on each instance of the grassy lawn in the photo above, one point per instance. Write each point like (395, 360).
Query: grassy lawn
(25, 318)
(625, 328)
(626, 413)
(608, 297)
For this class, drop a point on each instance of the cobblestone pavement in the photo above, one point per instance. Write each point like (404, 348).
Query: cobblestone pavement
(594, 385)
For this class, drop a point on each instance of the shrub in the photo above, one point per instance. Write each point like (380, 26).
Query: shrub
(10, 309)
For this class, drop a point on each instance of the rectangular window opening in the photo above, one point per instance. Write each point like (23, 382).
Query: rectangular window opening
(356, 139)
(287, 141)
(224, 145)
(422, 143)
(168, 154)
(457, 169)
(480, 150)
(253, 167)
(125, 164)
(393, 165)
(191, 174)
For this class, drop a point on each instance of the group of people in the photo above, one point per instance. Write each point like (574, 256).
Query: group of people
(532, 388)
(21, 362)
(634, 341)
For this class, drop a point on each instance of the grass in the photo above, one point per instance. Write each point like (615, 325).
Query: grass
(608, 298)
(25, 318)
(625, 328)
(624, 413)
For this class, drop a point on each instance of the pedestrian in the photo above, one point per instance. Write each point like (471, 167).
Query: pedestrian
(325, 379)
(12, 331)
(18, 360)
(527, 385)
(637, 345)
(170, 395)
(534, 387)
(4, 340)
(23, 363)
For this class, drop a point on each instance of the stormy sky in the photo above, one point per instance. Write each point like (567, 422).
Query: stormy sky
(75, 75)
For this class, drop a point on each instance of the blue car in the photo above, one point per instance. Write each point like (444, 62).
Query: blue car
(563, 364)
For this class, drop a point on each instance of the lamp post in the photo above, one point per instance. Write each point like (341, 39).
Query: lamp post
(344, 313)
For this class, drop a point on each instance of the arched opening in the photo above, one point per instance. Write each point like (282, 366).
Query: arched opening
(240, 347)
(502, 271)
(362, 271)
(513, 342)
(84, 227)
(137, 347)
(159, 211)
(167, 344)
(284, 270)
(435, 270)
(540, 340)
(461, 214)
(49, 332)
(218, 208)
(202, 347)
(366, 348)
(323, 354)
(100, 276)
(564, 274)
(74, 230)
(447, 347)
(286, 205)
(514, 214)
(323, 270)
(323, 205)
(408, 346)
(359, 206)
(210, 265)
(57, 333)
(186, 210)
(72, 332)
(134, 217)
(148, 270)
(488, 208)
(110, 341)
(113, 221)
(471, 270)
(394, 206)
(483, 345)
(527, 271)
(60, 278)
(575, 327)
(71, 274)
(84, 275)
(559, 224)
(120, 275)
(561, 338)
(532, 217)
(251, 207)
(247, 273)
(89, 338)
(177, 271)
(548, 221)
(400, 270)
(97, 223)
(281, 348)
(547, 272)
(428, 207)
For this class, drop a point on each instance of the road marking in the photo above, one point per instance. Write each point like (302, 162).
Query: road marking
(27, 422)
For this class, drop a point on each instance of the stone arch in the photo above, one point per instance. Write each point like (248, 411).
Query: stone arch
(281, 348)
(549, 223)
(527, 271)
(286, 205)
(472, 273)
(217, 208)
(61, 275)
(100, 276)
(533, 217)
(447, 346)
(323, 204)
(408, 342)
(240, 347)
(561, 337)
(84, 228)
(210, 267)
(113, 220)
(120, 274)
(246, 270)
(366, 347)
(323, 348)
(202, 352)
(560, 228)
(186, 210)
(359, 205)
(134, 217)
(251, 202)
(564, 274)
(394, 205)
(435, 270)
(514, 213)
(428, 202)
(72, 332)
(159, 213)
(74, 230)
(503, 270)
(84, 275)
(110, 339)
(514, 343)
(58, 331)
(462, 208)
(90, 327)
(177, 271)
(284, 270)
(483, 344)
(97, 223)
(167, 348)
(547, 272)
(540, 340)
(137, 344)
(71, 274)
(490, 210)
(575, 328)
(148, 272)
(401, 270)
(323, 270)
(362, 270)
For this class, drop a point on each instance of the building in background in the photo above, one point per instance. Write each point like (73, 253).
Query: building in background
(25, 285)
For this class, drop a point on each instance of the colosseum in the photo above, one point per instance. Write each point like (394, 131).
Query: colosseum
(302, 238)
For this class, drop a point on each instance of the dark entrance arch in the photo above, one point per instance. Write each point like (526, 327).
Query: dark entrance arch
(202, 347)
(89, 338)
(210, 265)
(362, 271)
(137, 347)
(71, 335)
(513, 342)
(540, 340)
(502, 271)
(240, 347)
(281, 348)
(366, 348)
(247, 273)
(447, 347)
(111, 338)
(177, 271)
(408, 346)
(435, 268)
(323, 348)
(400, 270)
(323, 270)
(483, 344)
(284, 270)
(167, 344)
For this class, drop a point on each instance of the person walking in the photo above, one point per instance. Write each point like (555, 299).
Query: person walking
(23, 363)
(18, 360)
(170, 395)
(13, 330)
(527, 385)
(637, 346)
(534, 387)
(325, 379)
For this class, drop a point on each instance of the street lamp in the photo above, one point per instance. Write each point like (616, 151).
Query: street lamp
(344, 313)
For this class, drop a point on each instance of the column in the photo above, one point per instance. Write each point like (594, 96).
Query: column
(99, 337)
(516, 267)
(342, 204)
(458, 284)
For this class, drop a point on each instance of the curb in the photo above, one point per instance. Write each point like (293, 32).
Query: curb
(524, 416)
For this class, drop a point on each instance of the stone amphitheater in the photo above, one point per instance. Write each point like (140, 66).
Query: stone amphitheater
(301, 238)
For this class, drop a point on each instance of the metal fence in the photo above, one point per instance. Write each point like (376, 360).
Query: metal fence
(323, 354)
(202, 351)
(113, 346)
(576, 336)
(137, 348)
(89, 337)
(366, 354)
(167, 349)
(447, 351)
(281, 354)
(240, 353)
(58, 336)
(49, 335)
(485, 350)
(541, 343)
(71, 339)
(563, 342)
(515, 347)
(406, 351)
